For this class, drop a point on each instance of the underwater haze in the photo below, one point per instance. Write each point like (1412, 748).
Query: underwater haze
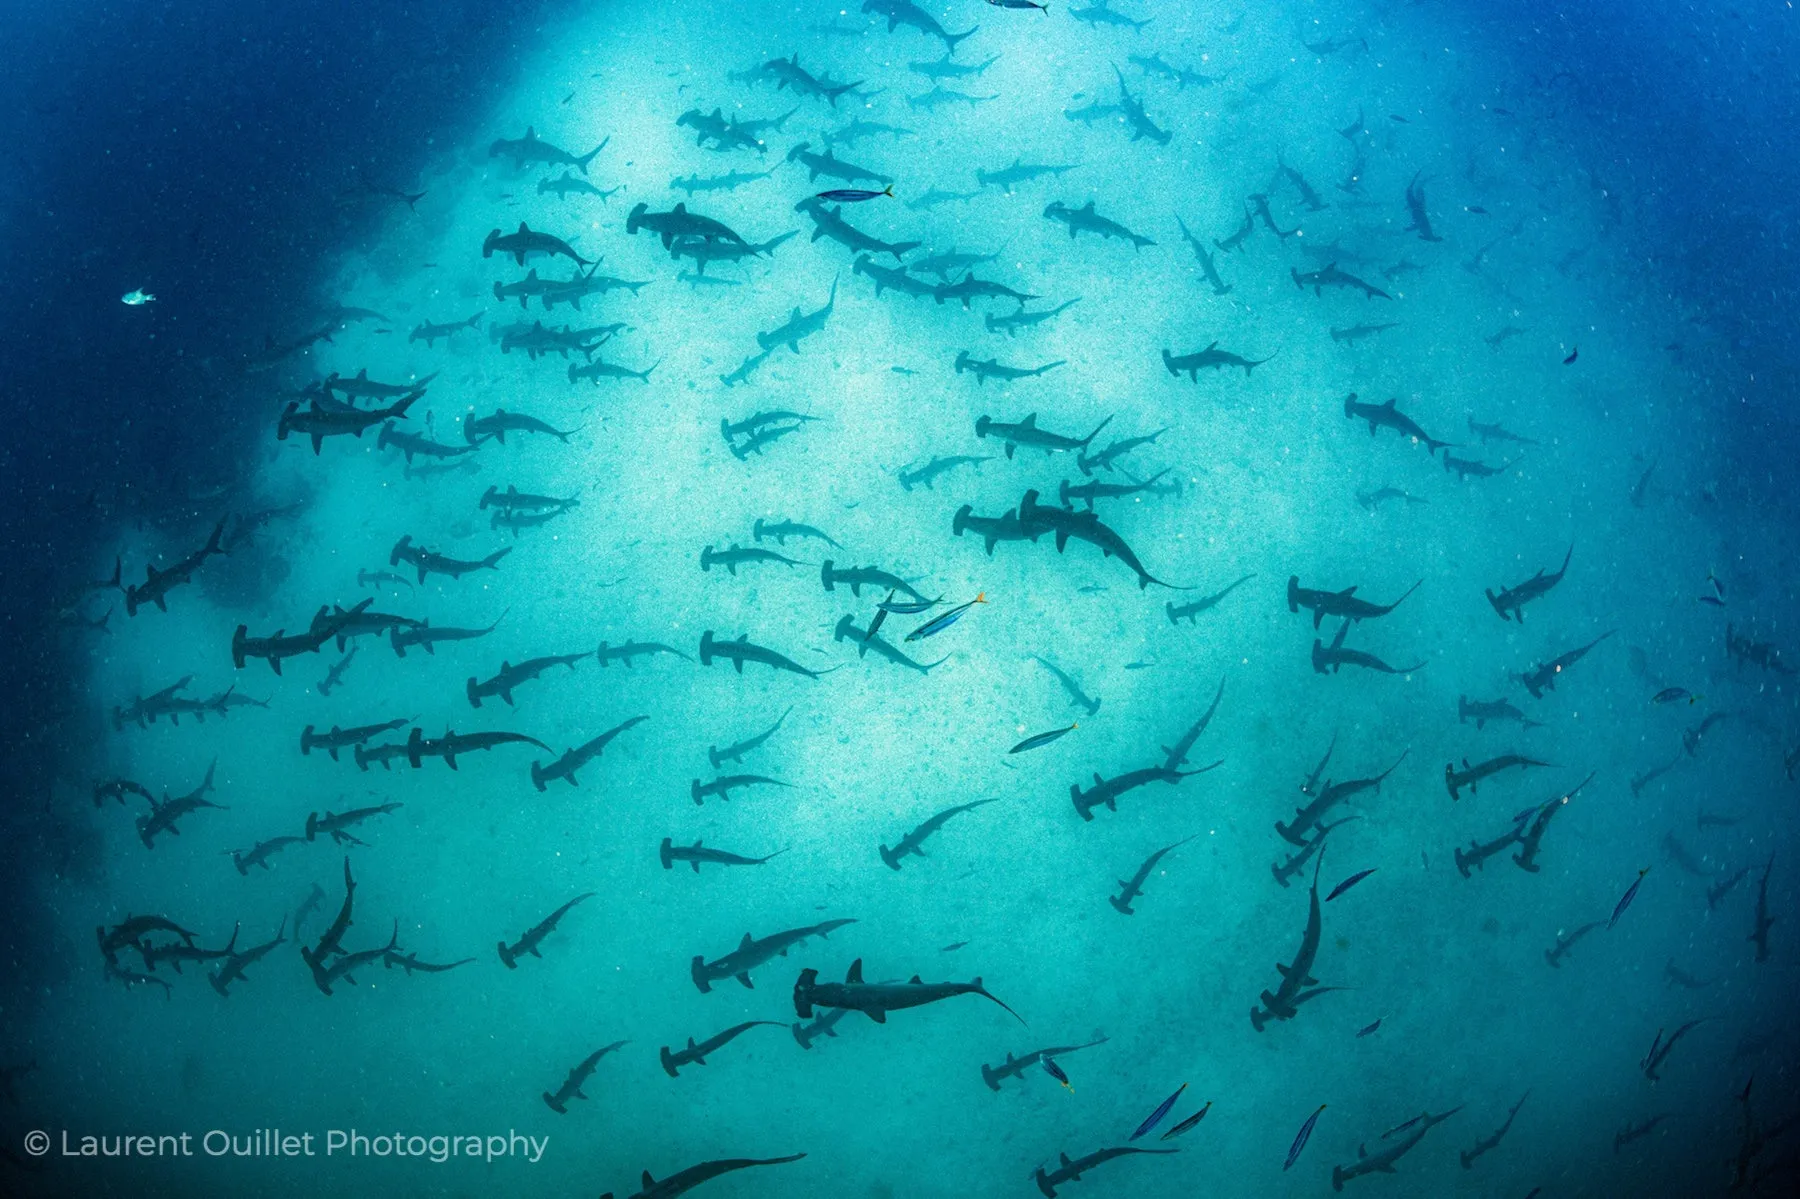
(900, 600)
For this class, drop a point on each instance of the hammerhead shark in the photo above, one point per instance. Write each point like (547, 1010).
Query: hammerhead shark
(876, 1000)
(686, 1180)
(1284, 1000)
(1513, 599)
(1383, 1161)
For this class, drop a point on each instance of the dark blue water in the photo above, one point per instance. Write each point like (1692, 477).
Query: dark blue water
(215, 153)
(1615, 192)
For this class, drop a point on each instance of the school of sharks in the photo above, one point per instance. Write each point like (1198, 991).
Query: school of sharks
(990, 598)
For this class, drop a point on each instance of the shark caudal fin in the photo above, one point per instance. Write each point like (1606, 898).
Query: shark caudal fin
(581, 164)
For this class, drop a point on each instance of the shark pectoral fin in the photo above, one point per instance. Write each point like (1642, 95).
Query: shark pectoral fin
(745, 979)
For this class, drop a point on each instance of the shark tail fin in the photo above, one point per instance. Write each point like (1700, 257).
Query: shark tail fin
(581, 164)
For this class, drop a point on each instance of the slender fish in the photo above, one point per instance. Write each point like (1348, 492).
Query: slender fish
(1187, 1123)
(1301, 1137)
(907, 607)
(1039, 740)
(1630, 895)
(1157, 1115)
(1344, 886)
(938, 624)
(853, 195)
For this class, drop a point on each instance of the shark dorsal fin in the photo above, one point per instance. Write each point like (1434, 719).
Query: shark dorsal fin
(1088, 207)
(916, 981)
(681, 208)
(854, 974)
(1211, 346)
(530, 133)
(1030, 422)
(648, 1181)
(746, 942)
(524, 228)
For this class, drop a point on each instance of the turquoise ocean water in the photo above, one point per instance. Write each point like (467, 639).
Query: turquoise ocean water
(1290, 150)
